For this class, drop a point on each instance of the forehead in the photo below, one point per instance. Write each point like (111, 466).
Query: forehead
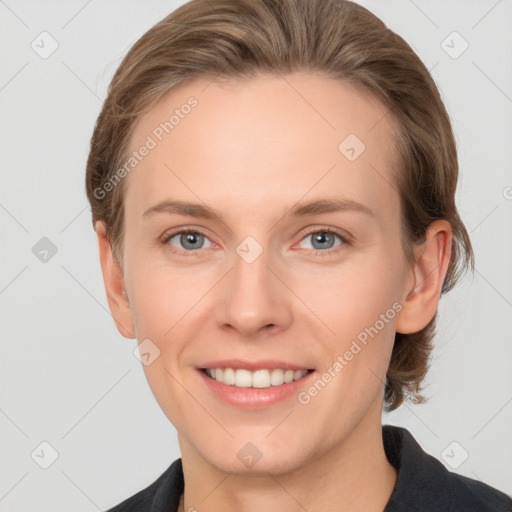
(267, 140)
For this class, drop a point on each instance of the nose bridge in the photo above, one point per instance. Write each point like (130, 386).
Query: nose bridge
(254, 297)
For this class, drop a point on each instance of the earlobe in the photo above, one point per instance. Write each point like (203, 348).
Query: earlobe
(423, 290)
(114, 285)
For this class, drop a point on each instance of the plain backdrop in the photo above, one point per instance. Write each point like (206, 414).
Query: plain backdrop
(71, 382)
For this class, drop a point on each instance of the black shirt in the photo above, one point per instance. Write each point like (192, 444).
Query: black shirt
(423, 484)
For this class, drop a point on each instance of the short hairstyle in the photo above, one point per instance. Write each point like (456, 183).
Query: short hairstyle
(337, 38)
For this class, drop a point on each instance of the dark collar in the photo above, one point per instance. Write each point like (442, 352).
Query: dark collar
(423, 484)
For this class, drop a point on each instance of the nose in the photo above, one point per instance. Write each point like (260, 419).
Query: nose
(254, 299)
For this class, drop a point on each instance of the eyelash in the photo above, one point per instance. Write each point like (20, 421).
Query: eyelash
(315, 252)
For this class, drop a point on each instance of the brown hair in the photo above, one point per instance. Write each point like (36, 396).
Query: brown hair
(342, 40)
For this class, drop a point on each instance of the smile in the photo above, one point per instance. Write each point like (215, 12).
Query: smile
(264, 378)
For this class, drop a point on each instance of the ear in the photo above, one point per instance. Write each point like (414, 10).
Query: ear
(425, 279)
(114, 285)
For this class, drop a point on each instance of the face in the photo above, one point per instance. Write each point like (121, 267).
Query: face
(265, 281)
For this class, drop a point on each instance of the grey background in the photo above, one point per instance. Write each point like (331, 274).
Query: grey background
(68, 377)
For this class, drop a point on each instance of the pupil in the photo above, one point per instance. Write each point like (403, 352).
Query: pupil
(190, 239)
(322, 237)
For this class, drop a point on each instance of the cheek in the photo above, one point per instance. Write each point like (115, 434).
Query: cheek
(162, 296)
(352, 297)
(359, 304)
(165, 301)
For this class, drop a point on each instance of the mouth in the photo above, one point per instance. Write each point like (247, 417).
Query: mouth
(253, 385)
(261, 378)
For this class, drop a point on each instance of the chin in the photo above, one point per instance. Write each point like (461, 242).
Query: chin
(257, 458)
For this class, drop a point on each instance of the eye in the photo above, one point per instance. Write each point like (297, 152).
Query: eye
(189, 239)
(323, 239)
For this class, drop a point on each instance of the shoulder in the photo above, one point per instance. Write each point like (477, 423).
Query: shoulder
(162, 495)
(423, 483)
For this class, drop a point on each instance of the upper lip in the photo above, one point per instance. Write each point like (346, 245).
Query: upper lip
(268, 364)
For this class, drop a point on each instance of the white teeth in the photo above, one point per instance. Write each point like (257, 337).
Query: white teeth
(229, 376)
(288, 375)
(243, 378)
(261, 379)
(297, 374)
(258, 379)
(276, 377)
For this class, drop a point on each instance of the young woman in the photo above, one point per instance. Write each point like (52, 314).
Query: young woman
(273, 188)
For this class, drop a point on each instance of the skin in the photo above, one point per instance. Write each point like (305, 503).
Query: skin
(250, 151)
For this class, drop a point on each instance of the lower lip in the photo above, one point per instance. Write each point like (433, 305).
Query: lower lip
(255, 398)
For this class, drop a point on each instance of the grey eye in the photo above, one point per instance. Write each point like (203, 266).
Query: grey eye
(189, 240)
(322, 239)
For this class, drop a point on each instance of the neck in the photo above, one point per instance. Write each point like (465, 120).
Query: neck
(354, 475)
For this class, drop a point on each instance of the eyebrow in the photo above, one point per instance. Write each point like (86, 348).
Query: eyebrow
(299, 210)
